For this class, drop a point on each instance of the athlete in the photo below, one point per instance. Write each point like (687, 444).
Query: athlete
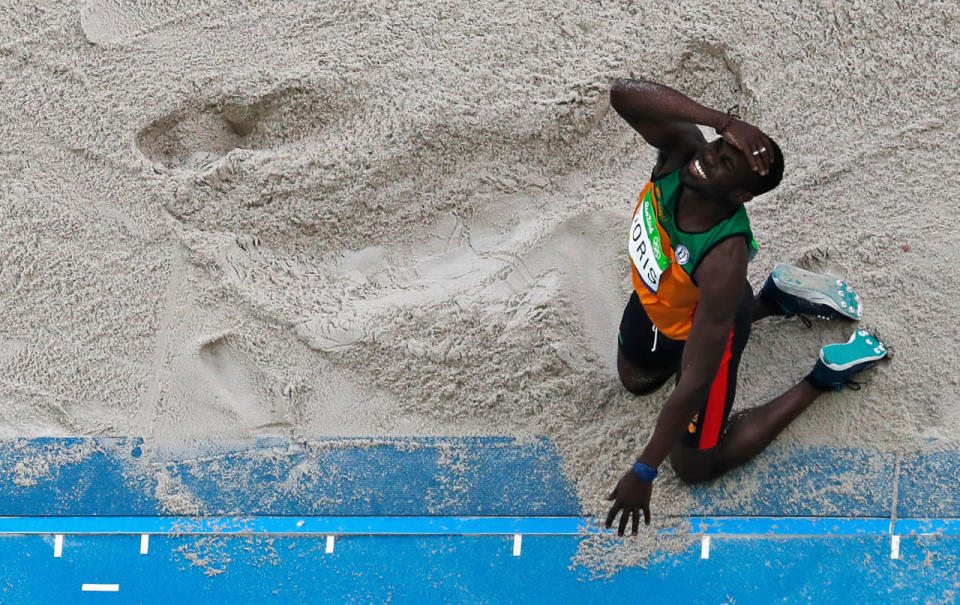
(691, 309)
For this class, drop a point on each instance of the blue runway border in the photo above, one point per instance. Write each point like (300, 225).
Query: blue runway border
(464, 526)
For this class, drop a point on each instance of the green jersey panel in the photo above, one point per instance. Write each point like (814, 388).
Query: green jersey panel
(691, 248)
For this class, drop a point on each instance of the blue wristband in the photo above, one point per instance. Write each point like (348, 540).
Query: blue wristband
(644, 472)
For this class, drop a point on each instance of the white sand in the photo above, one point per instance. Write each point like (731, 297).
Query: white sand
(223, 219)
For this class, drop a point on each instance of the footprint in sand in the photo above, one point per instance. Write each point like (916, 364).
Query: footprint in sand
(820, 260)
(239, 257)
(107, 22)
(10, 349)
(331, 334)
(233, 384)
(194, 137)
(708, 72)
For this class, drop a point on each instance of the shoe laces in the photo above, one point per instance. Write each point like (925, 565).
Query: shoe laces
(853, 385)
(806, 320)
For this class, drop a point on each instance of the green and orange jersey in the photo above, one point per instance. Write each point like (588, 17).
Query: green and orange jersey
(663, 258)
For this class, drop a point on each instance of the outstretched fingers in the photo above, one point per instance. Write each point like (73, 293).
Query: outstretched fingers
(612, 514)
(624, 517)
(633, 515)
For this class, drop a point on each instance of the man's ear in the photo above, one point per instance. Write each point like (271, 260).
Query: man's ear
(740, 196)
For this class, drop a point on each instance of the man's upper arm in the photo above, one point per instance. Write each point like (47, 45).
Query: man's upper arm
(675, 139)
(720, 277)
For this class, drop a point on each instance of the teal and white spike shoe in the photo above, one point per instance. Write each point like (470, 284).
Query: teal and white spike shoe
(838, 363)
(800, 292)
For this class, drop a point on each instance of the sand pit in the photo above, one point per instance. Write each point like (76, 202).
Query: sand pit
(227, 219)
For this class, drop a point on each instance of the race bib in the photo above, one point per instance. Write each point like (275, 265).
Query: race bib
(645, 247)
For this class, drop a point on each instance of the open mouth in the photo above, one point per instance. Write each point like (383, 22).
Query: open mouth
(697, 169)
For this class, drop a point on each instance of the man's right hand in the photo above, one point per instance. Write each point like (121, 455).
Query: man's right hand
(752, 142)
(631, 495)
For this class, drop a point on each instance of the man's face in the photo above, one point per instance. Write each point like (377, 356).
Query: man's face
(718, 170)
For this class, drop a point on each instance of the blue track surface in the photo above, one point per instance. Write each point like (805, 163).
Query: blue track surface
(363, 569)
(471, 476)
(434, 520)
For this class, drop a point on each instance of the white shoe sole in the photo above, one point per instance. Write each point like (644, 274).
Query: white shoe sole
(879, 351)
(818, 289)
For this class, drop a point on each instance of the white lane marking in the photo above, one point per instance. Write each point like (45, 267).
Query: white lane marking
(894, 547)
(705, 548)
(100, 587)
(58, 545)
(329, 545)
(517, 544)
(144, 543)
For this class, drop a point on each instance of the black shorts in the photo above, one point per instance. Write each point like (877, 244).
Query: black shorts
(645, 347)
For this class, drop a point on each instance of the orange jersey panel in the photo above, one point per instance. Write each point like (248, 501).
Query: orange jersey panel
(671, 307)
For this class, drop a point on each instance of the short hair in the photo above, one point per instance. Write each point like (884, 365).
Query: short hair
(764, 183)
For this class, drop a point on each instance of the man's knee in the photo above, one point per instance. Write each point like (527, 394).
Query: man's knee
(640, 381)
(693, 466)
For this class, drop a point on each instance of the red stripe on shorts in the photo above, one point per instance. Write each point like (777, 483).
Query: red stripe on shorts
(716, 402)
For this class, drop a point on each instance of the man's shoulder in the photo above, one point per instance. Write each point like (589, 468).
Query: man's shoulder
(724, 262)
(721, 276)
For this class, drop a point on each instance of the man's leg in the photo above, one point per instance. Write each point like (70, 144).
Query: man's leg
(645, 358)
(752, 430)
(748, 433)
(765, 308)
(638, 380)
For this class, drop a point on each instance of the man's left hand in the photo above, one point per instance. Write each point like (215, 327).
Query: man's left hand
(631, 495)
(752, 142)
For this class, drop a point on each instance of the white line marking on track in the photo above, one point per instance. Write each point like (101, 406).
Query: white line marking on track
(58, 545)
(517, 544)
(100, 587)
(705, 548)
(894, 547)
(144, 543)
(329, 548)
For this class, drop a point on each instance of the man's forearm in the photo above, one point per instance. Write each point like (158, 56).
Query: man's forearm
(645, 100)
(673, 419)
